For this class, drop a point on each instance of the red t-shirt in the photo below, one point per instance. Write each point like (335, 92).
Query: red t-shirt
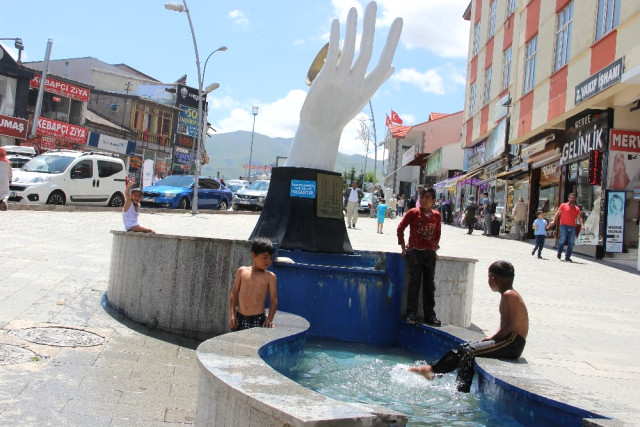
(568, 214)
(424, 231)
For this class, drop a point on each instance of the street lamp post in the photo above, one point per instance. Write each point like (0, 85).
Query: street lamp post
(17, 44)
(254, 110)
(183, 8)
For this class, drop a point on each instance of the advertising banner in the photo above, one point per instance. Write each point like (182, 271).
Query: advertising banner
(188, 121)
(61, 130)
(183, 157)
(61, 88)
(615, 220)
(13, 127)
(624, 160)
(112, 144)
(585, 132)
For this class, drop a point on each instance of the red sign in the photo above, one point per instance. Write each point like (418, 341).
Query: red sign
(13, 126)
(595, 167)
(625, 140)
(61, 88)
(61, 130)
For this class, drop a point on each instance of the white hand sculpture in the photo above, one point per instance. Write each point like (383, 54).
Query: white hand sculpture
(340, 91)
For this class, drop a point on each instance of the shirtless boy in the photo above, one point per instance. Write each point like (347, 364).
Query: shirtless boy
(250, 289)
(506, 343)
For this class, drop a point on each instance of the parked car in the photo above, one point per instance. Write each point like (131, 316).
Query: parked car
(60, 177)
(366, 203)
(235, 188)
(176, 192)
(251, 197)
(18, 155)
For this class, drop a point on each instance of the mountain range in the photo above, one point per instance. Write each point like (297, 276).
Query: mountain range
(229, 154)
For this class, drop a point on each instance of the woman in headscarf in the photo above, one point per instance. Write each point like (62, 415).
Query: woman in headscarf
(5, 178)
(470, 214)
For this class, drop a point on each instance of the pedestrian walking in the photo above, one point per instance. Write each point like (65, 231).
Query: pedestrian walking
(5, 178)
(401, 203)
(519, 215)
(352, 198)
(382, 213)
(470, 214)
(568, 213)
(486, 214)
(540, 231)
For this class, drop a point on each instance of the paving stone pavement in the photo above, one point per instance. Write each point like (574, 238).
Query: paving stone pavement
(54, 264)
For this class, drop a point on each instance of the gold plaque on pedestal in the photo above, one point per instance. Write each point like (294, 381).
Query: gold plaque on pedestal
(329, 196)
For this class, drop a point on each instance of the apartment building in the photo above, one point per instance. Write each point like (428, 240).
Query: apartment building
(553, 107)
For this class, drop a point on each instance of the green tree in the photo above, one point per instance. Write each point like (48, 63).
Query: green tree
(349, 176)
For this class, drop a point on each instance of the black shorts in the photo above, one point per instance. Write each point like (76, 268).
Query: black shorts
(247, 322)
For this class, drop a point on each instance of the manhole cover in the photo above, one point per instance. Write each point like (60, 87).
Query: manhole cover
(59, 337)
(13, 354)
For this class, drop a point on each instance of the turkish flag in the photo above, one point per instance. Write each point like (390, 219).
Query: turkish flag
(395, 118)
(388, 121)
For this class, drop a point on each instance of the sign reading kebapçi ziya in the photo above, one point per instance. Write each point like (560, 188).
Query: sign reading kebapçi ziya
(62, 130)
(586, 132)
(603, 79)
(61, 88)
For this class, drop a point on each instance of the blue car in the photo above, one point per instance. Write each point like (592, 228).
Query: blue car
(176, 192)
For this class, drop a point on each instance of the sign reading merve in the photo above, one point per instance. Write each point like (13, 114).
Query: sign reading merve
(301, 188)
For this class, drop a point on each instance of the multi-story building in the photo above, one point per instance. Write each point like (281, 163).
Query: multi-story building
(411, 146)
(552, 100)
(14, 91)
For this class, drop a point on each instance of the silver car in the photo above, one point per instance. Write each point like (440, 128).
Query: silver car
(251, 197)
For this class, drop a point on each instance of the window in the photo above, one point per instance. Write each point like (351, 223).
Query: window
(108, 168)
(487, 86)
(506, 68)
(530, 64)
(472, 100)
(563, 37)
(476, 39)
(511, 7)
(492, 18)
(608, 17)
(208, 184)
(83, 169)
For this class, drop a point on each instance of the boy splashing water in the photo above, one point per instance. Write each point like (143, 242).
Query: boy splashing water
(250, 289)
(506, 343)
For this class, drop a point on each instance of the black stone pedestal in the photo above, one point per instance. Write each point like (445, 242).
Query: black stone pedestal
(293, 223)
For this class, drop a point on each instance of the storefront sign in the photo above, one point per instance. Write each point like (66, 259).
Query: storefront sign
(110, 143)
(13, 127)
(615, 221)
(61, 130)
(184, 141)
(188, 121)
(624, 159)
(301, 188)
(585, 133)
(409, 155)
(183, 156)
(537, 146)
(595, 167)
(600, 81)
(61, 88)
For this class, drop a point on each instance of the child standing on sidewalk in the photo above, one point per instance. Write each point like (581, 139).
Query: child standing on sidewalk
(540, 231)
(382, 213)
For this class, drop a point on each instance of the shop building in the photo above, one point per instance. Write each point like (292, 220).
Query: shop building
(568, 73)
(14, 91)
(411, 146)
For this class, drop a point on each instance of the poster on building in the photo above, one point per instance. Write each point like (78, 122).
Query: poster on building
(624, 160)
(615, 221)
(188, 121)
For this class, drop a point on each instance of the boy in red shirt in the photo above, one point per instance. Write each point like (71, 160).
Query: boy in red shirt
(420, 254)
(567, 214)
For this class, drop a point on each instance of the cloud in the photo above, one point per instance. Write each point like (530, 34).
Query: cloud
(434, 25)
(429, 81)
(238, 18)
(277, 119)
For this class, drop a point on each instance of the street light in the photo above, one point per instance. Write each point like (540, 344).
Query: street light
(183, 8)
(17, 44)
(254, 110)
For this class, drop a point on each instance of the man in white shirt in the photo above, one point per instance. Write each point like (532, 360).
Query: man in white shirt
(352, 198)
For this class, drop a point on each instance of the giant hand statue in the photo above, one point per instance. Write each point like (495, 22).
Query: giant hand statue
(340, 90)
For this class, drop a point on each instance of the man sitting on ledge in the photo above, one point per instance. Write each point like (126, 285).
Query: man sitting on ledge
(507, 343)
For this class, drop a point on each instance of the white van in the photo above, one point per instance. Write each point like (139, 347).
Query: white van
(61, 177)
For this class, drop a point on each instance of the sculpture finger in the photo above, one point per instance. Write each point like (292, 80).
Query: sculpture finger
(349, 47)
(366, 42)
(383, 70)
(333, 54)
